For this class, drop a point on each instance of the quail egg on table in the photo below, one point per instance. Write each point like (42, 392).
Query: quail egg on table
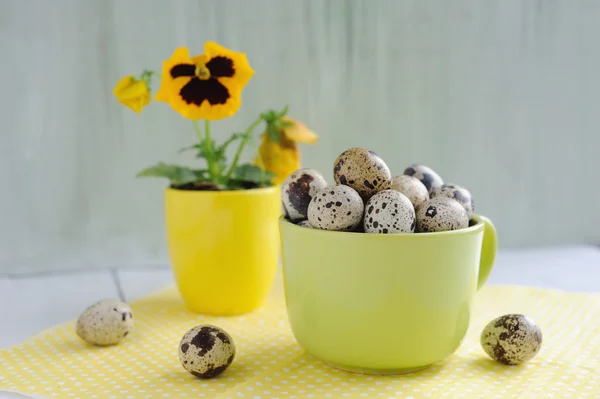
(441, 214)
(336, 208)
(411, 187)
(511, 339)
(362, 170)
(426, 175)
(206, 351)
(106, 322)
(459, 193)
(297, 191)
(389, 211)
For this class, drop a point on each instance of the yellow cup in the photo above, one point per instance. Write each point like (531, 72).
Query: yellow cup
(224, 247)
(383, 303)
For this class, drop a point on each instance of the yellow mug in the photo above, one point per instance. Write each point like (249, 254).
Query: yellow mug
(383, 303)
(224, 247)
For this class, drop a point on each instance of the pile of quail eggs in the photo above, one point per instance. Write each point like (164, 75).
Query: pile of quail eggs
(368, 198)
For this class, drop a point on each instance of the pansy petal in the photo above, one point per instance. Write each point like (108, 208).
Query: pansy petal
(122, 84)
(299, 132)
(199, 59)
(163, 93)
(243, 72)
(189, 110)
(135, 90)
(206, 110)
(181, 55)
(134, 105)
(280, 158)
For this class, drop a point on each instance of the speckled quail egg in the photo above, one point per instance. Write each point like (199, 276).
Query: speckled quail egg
(459, 193)
(411, 187)
(426, 175)
(304, 223)
(441, 214)
(336, 208)
(362, 170)
(106, 322)
(389, 211)
(511, 339)
(297, 191)
(206, 351)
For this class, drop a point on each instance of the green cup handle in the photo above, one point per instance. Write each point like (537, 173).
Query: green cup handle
(488, 250)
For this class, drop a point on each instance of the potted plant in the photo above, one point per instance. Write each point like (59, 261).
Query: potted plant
(221, 217)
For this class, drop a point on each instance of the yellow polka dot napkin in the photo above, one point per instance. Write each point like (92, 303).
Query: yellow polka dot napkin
(269, 363)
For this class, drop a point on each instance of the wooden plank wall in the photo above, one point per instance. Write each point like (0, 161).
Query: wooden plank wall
(500, 96)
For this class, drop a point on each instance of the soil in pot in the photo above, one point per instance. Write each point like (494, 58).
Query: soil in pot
(208, 186)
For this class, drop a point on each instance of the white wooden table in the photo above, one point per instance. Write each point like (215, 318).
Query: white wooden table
(31, 304)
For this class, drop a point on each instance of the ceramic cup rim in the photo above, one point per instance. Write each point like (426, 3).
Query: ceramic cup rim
(224, 193)
(477, 227)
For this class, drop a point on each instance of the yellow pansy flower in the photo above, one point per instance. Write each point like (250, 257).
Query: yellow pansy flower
(207, 86)
(283, 157)
(132, 92)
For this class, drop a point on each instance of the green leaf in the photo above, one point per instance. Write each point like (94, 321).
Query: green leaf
(146, 76)
(175, 173)
(270, 116)
(273, 132)
(201, 148)
(191, 147)
(285, 124)
(253, 173)
(283, 112)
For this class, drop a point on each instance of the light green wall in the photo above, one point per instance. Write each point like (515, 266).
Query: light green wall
(500, 96)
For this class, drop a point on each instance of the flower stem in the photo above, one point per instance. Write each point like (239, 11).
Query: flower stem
(216, 172)
(147, 75)
(240, 149)
(262, 167)
(209, 153)
(198, 131)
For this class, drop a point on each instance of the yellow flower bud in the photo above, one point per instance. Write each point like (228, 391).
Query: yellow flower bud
(132, 93)
(283, 157)
(299, 132)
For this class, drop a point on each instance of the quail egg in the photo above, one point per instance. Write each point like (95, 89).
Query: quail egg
(411, 187)
(304, 223)
(389, 211)
(362, 170)
(106, 322)
(426, 175)
(206, 351)
(336, 208)
(297, 191)
(459, 193)
(511, 339)
(441, 214)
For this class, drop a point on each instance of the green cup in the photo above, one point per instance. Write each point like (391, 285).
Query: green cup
(383, 303)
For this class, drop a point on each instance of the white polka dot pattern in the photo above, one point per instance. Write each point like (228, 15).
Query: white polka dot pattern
(269, 363)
